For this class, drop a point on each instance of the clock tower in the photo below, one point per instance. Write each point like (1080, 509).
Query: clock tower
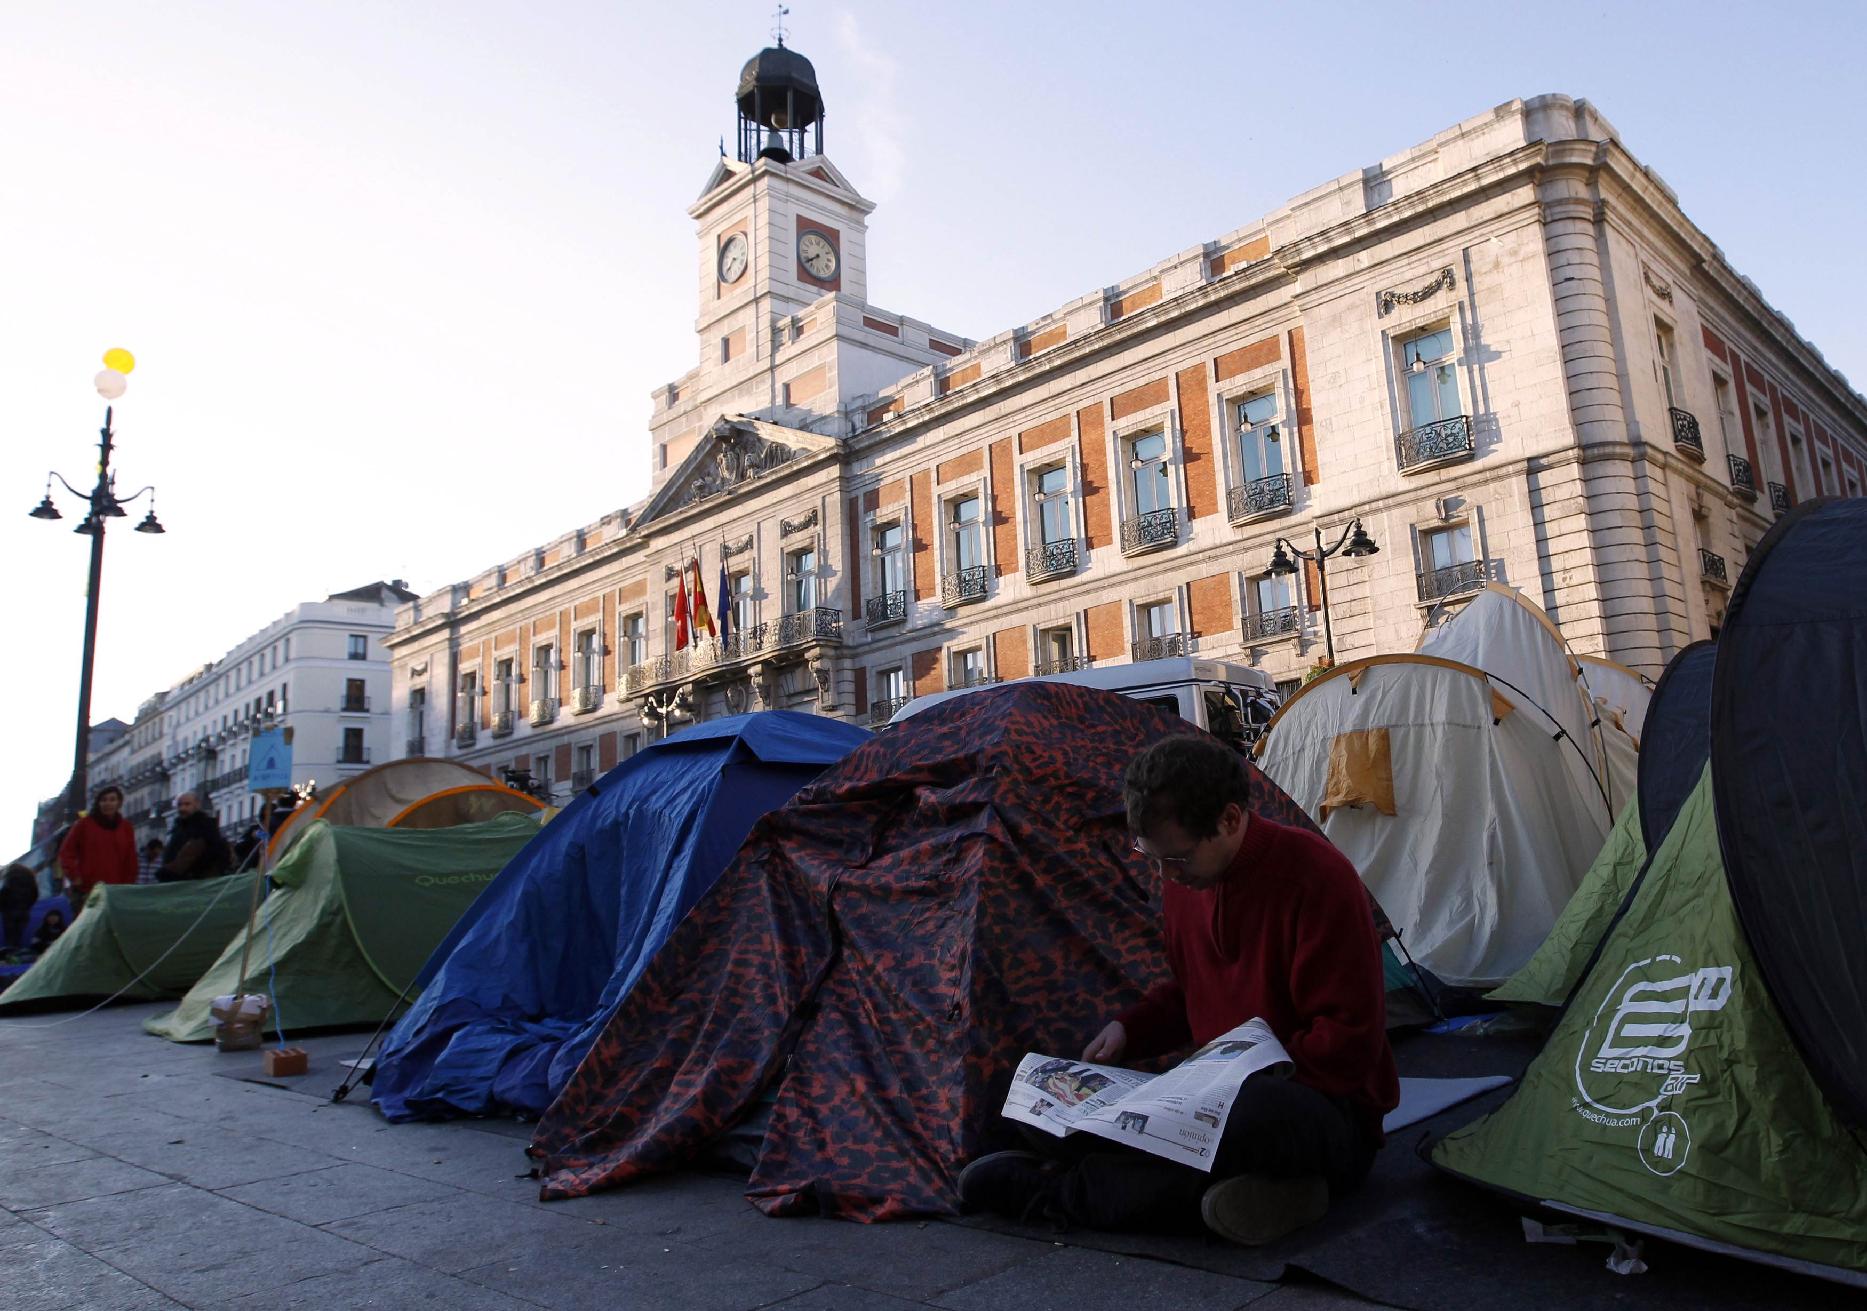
(785, 330)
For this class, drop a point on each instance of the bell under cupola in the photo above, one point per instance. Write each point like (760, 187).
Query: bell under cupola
(780, 107)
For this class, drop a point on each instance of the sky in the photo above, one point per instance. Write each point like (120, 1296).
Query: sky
(399, 277)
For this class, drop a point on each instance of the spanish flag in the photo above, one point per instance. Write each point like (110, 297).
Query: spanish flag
(703, 618)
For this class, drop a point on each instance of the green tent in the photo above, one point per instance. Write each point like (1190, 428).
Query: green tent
(1548, 976)
(1706, 1081)
(1670, 1098)
(141, 942)
(354, 915)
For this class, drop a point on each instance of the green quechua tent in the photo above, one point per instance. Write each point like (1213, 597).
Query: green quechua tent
(353, 915)
(142, 942)
(1707, 1080)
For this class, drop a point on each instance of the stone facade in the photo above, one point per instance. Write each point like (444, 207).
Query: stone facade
(1506, 353)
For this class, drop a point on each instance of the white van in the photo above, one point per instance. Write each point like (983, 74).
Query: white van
(1232, 702)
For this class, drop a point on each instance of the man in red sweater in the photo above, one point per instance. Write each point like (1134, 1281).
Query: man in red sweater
(1261, 920)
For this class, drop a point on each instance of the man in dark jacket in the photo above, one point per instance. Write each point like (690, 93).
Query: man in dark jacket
(196, 849)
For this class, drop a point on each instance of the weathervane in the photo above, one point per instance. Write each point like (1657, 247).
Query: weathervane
(778, 29)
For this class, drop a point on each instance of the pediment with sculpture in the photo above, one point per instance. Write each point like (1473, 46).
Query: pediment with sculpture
(734, 452)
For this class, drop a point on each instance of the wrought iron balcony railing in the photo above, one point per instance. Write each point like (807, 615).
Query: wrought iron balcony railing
(585, 699)
(1466, 576)
(819, 624)
(962, 586)
(974, 680)
(1050, 560)
(1711, 567)
(1430, 445)
(502, 723)
(581, 779)
(1743, 481)
(1260, 498)
(1150, 531)
(355, 705)
(888, 608)
(417, 746)
(880, 712)
(1267, 624)
(1779, 498)
(1686, 435)
(544, 710)
(466, 735)
(354, 756)
(1160, 648)
(1061, 665)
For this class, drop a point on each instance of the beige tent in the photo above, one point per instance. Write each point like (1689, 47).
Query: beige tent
(1472, 783)
(419, 792)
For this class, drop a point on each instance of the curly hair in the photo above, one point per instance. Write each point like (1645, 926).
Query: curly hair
(1189, 779)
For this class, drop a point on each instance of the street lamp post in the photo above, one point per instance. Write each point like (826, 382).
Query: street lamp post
(1354, 543)
(102, 504)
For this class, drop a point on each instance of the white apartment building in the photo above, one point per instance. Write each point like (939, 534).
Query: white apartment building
(320, 669)
(1506, 354)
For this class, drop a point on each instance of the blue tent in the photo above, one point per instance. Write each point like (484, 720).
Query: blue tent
(519, 990)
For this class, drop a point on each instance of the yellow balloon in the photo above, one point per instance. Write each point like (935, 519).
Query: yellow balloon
(119, 359)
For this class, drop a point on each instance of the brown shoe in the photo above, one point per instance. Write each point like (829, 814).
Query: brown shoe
(1253, 1209)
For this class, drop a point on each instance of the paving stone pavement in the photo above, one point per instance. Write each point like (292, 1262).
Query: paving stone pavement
(138, 1174)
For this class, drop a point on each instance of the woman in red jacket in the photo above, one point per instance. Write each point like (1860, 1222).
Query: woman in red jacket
(100, 848)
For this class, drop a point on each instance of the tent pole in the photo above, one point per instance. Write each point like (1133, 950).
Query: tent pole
(268, 796)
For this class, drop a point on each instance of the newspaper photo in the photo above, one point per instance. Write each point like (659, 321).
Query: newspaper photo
(1178, 1115)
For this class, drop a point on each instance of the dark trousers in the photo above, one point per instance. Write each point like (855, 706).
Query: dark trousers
(1276, 1128)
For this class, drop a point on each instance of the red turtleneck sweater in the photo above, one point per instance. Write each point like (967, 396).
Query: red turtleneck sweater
(1287, 934)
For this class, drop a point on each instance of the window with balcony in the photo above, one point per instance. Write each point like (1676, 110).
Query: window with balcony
(1056, 651)
(354, 752)
(800, 581)
(964, 579)
(583, 771)
(356, 698)
(891, 693)
(467, 701)
(1447, 565)
(1157, 631)
(1263, 485)
(541, 775)
(588, 670)
(359, 646)
(544, 682)
(888, 552)
(1273, 611)
(1051, 550)
(966, 667)
(1438, 428)
(1151, 521)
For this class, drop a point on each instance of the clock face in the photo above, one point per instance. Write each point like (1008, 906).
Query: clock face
(817, 255)
(733, 258)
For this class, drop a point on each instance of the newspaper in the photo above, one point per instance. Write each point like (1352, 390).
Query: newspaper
(1178, 1115)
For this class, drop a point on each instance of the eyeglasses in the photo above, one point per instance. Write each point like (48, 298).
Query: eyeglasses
(1163, 864)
